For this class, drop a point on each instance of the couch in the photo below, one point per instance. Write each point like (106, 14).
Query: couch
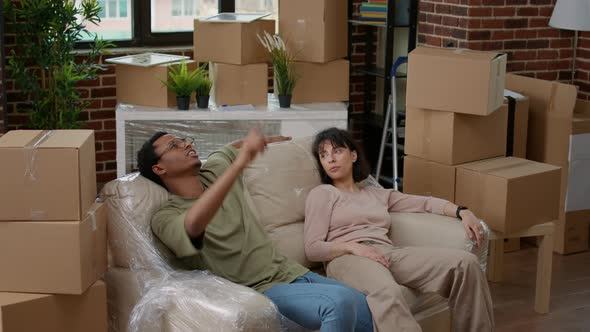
(148, 289)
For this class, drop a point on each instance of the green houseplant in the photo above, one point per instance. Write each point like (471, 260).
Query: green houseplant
(43, 63)
(203, 87)
(183, 82)
(282, 61)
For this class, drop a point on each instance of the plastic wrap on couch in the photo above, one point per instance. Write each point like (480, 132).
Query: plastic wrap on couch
(482, 251)
(200, 301)
(168, 298)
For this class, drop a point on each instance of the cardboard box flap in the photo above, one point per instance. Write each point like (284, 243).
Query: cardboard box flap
(18, 138)
(509, 168)
(66, 139)
(514, 94)
(13, 298)
(465, 53)
(545, 96)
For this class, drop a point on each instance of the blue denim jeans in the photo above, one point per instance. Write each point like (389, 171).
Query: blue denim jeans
(316, 302)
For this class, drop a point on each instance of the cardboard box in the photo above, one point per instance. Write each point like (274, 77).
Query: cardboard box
(456, 80)
(60, 257)
(239, 85)
(518, 136)
(429, 178)
(21, 312)
(233, 43)
(509, 194)
(511, 244)
(315, 30)
(318, 83)
(141, 85)
(47, 175)
(451, 138)
(572, 232)
(550, 121)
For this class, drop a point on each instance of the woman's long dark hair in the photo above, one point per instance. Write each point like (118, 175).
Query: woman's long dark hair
(341, 139)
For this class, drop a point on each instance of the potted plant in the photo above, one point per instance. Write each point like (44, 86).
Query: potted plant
(182, 82)
(43, 64)
(203, 88)
(283, 67)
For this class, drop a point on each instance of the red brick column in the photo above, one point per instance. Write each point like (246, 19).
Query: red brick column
(519, 28)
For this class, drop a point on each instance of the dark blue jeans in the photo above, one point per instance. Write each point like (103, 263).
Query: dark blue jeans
(316, 302)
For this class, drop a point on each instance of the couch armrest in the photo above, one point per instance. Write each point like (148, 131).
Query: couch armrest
(185, 301)
(432, 230)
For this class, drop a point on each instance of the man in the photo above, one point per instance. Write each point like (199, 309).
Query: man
(208, 224)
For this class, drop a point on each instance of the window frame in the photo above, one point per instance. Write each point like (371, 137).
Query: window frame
(141, 34)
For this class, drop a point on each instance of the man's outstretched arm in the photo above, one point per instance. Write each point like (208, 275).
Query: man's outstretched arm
(204, 209)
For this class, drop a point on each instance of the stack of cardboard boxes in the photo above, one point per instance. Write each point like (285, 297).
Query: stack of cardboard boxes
(52, 233)
(238, 61)
(314, 30)
(458, 131)
(559, 134)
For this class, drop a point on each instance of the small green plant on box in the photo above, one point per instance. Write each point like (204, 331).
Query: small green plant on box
(204, 82)
(182, 82)
(43, 63)
(282, 61)
(203, 87)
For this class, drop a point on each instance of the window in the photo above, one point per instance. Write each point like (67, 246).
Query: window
(258, 6)
(115, 20)
(154, 22)
(179, 15)
(163, 22)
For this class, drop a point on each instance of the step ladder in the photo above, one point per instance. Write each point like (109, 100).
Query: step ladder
(390, 130)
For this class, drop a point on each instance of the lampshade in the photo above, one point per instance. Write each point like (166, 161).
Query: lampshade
(571, 15)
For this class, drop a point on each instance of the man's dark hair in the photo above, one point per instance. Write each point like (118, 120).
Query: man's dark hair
(342, 139)
(147, 157)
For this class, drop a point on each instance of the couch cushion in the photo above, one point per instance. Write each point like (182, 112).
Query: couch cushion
(132, 200)
(279, 181)
(276, 185)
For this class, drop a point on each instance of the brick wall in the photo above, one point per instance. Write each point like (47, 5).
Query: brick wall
(518, 27)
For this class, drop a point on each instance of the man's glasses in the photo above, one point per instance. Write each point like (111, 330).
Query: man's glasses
(178, 143)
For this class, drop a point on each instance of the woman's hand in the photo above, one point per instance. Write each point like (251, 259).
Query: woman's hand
(472, 226)
(372, 253)
(276, 139)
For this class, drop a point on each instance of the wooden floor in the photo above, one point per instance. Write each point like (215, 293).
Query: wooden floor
(570, 294)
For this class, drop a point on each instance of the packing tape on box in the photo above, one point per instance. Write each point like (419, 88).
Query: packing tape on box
(92, 215)
(30, 175)
(299, 37)
(426, 139)
(31, 154)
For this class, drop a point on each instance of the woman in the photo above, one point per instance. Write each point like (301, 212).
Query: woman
(346, 225)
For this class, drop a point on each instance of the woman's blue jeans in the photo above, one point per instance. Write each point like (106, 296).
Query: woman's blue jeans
(316, 302)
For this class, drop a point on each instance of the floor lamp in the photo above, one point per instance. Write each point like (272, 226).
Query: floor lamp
(571, 15)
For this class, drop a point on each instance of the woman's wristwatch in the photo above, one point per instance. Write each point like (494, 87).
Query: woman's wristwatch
(459, 209)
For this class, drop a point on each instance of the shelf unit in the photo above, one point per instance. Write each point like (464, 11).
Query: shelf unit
(400, 14)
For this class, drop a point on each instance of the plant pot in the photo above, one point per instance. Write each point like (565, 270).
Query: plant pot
(183, 102)
(285, 101)
(203, 101)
